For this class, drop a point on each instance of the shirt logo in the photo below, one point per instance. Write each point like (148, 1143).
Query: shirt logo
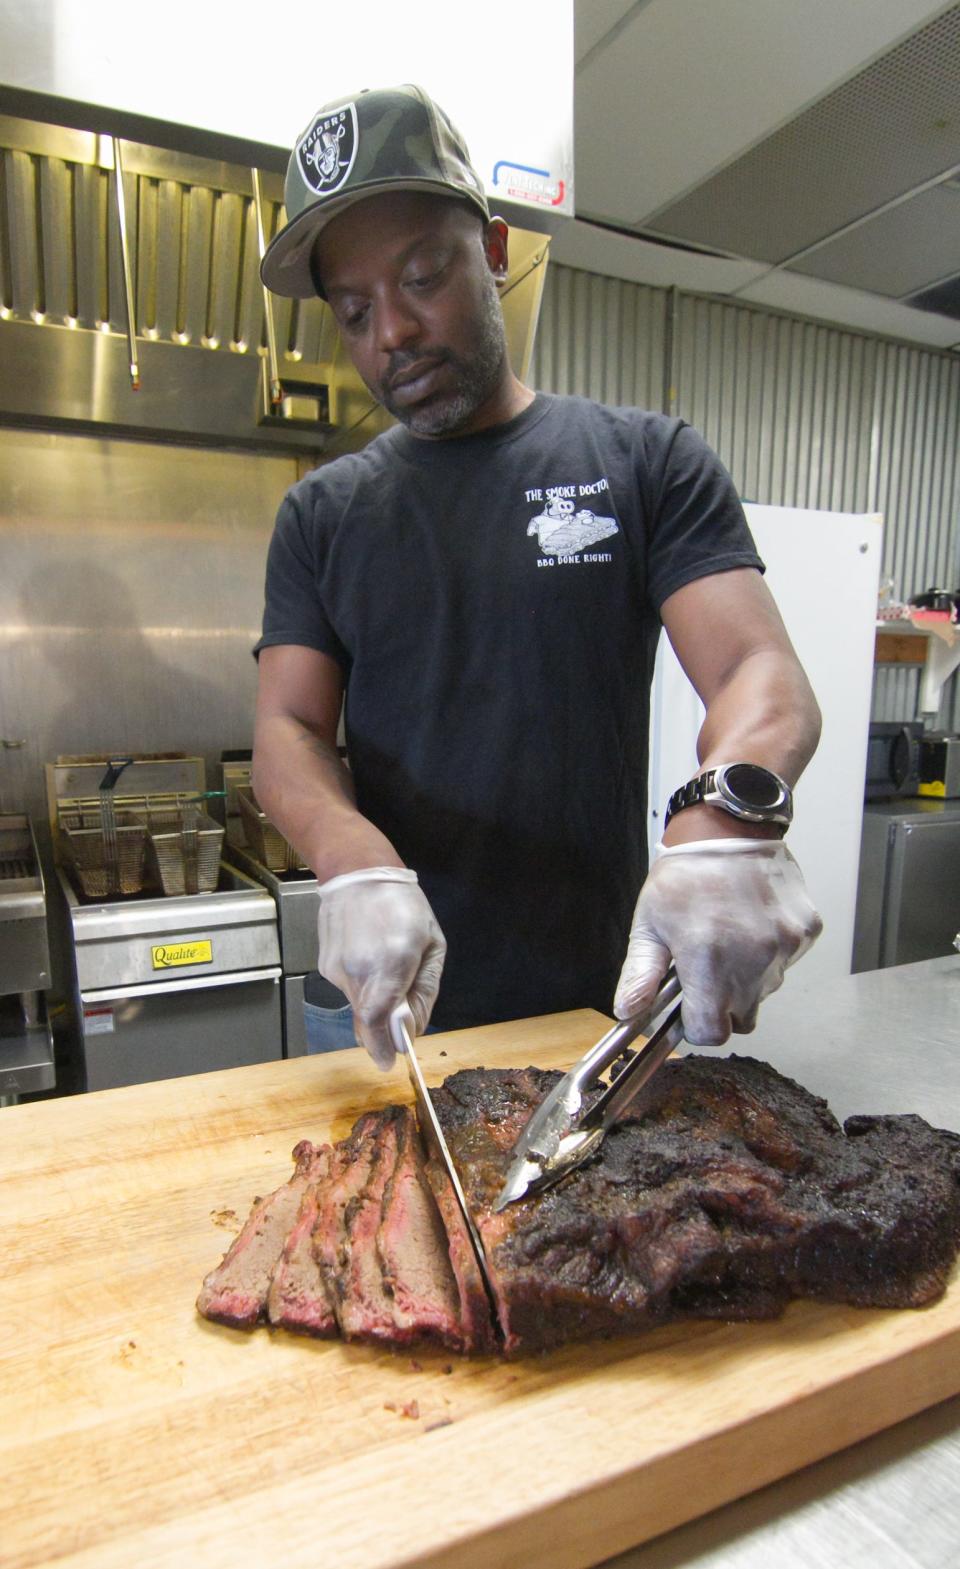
(565, 530)
(326, 153)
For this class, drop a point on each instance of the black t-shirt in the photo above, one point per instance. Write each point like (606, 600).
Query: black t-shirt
(493, 601)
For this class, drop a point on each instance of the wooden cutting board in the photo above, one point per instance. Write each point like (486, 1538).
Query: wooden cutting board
(132, 1432)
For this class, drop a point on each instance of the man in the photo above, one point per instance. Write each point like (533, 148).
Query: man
(483, 586)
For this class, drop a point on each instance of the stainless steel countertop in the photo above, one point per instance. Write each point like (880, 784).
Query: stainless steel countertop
(882, 1041)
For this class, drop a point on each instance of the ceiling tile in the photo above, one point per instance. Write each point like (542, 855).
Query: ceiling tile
(897, 252)
(787, 291)
(687, 86)
(594, 249)
(887, 129)
(943, 298)
(594, 20)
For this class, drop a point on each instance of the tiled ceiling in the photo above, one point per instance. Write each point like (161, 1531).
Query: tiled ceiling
(819, 139)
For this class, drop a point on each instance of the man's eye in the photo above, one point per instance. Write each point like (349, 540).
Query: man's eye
(352, 319)
(425, 280)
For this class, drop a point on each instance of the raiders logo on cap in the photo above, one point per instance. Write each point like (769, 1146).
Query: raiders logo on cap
(327, 151)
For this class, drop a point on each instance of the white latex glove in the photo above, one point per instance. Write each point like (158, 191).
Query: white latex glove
(380, 943)
(732, 914)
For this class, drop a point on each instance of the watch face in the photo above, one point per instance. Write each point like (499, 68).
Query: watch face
(754, 786)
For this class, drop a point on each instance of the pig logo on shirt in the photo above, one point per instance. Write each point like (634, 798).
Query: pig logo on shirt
(565, 530)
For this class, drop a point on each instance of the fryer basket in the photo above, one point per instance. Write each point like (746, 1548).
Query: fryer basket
(183, 849)
(269, 846)
(87, 851)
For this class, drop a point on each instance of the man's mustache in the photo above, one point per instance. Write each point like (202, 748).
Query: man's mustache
(403, 359)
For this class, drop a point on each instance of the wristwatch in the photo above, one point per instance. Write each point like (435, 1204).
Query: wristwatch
(745, 790)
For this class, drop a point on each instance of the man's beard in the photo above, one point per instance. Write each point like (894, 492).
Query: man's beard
(475, 381)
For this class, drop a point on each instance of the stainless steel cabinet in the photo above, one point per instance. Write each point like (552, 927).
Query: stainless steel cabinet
(908, 898)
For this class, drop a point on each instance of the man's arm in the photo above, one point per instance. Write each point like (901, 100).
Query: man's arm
(298, 776)
(378, 940)
(729, 637)
(724, 900)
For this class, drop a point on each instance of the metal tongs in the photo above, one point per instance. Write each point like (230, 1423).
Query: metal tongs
(564, 1131)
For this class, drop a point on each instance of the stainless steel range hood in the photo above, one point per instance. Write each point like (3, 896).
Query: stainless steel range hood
(166, 280)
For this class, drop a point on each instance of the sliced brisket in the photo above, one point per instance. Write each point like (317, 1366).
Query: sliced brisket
(474, 1308)
(415, 1256)
(236, 1291)
(728, 1191)
(299, 1298)
(364, 1306)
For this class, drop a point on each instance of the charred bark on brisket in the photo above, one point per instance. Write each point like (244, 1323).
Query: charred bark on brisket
(726, 1192)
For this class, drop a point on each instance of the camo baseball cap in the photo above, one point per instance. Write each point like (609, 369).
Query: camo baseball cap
(387, 139)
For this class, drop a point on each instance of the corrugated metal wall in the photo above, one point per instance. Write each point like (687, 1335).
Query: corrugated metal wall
(802, 414)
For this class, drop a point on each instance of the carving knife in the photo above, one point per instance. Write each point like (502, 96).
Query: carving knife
(401, 1029)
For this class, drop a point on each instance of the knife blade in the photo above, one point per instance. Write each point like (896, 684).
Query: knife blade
(401, 1029)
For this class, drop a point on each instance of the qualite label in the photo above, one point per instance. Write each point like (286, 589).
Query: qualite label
(169, 955)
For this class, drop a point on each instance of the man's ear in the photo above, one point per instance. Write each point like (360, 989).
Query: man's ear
(495, 248)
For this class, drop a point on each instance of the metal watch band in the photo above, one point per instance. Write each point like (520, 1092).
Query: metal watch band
(715, 787)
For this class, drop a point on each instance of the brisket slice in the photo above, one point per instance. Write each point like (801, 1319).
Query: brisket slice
(347, 1177)
(382, 1243)
(299, 1298)
(236, 1291)
(415, 1257)
(364, 1307)
(726, 1192)
(474, 1308)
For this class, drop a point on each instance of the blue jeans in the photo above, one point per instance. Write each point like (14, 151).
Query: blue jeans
(327, 1029)
(331, 1029)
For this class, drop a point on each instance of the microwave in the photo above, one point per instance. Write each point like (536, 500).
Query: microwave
(940, 766)
(893, 760)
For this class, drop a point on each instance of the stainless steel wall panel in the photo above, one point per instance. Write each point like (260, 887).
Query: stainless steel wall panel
(20, 204)
(224, 269)
(145, 272)
(785, 403)
(293, 339)
(166, 258)
(311, 334)
(854, 431)
(90, 207)
(116, 296)
(917, 410)
(6, 261)
(56, 231)
(896, 693)
(248, 331)
(601, 337)
(196, 243)
(130, 599)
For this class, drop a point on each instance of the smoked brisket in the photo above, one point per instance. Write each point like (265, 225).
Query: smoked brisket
(726, 1192)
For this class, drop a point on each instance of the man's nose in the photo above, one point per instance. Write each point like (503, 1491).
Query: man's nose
(396, 322)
